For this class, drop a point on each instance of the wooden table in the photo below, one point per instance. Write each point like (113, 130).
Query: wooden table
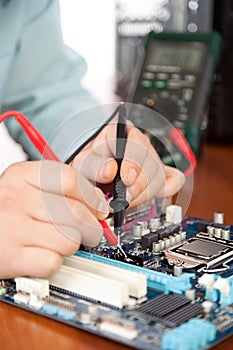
(213, 191)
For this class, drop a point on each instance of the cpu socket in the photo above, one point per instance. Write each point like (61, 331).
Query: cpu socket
(197, 252)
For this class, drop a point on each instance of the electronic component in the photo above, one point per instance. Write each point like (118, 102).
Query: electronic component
(172, 309)
(91, 286)
(120, 327)
(174, 82)
(174, 214)
(176, 280)
(202, 332)
(36, 286)
(136, 282)
(198, 252)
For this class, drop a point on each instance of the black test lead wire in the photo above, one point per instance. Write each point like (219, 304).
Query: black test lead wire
(119, 202)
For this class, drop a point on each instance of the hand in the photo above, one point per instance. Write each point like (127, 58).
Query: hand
(142, 170)
(43, 217)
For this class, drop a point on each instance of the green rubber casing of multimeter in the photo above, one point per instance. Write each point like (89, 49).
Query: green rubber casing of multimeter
(175, 80)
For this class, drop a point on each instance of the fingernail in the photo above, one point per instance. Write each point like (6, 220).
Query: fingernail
(104, 171)
(132, 175)
(103, 210)
(128, 196)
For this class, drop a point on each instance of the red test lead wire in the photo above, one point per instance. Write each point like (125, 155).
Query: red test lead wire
(46, 151)
(182, 144)
(33, 134)
(108, 234)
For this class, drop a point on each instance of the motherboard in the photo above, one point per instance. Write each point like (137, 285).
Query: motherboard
(172, 290)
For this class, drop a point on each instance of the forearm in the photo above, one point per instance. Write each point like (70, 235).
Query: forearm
(44, 79)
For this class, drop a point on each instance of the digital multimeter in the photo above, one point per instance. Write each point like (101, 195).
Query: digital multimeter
(175, 80)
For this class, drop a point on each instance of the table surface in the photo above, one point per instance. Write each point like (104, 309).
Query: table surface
(212, 192)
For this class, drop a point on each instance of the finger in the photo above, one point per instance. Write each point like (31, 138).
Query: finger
(63, 239)
(161, 186)
(138, 151)
(150, 169)
(39, 202)
(175, 179)
(95, 167)
(31, 261)
(147, 192)
(61, 211)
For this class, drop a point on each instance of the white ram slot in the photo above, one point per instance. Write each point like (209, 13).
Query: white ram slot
(136, 282)
(92, 286)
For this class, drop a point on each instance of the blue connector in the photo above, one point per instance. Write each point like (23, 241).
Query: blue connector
(61, 313)
(192, 335)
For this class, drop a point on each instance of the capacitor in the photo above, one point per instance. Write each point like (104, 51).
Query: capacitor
(177, 237)
(210, 230)
(226, 234)
(162, 244)
(190, 294)
(218, 232)
(167, 242)
(207, 306)
(177, 270)
(154, 224)
(137, 230)
(183, 235)
(156, 247)
(173, 240)
(218, 217)
(144, 227)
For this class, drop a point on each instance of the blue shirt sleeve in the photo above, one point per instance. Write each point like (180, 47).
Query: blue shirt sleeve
(44, 81)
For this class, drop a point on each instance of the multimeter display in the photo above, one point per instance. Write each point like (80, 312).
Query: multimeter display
(175, 80)
(185, 56)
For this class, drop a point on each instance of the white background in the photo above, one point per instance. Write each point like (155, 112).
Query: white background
(88, 28)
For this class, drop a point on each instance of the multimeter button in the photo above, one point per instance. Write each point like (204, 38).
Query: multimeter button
(160, 84)
(176, 76)
(164, 94)
(187, 94)
(150, 102)
(178, 124)
(174, 84)
(182, 117)
(171, 69)
(153, 67)
(162, 76)
(146, 83)
(190, 77)
(148, 75)
(180, 102)
(183, 109)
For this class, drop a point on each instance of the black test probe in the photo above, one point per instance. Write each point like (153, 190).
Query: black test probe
(119, 202)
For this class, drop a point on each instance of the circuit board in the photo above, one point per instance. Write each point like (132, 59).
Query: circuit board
(172, 291)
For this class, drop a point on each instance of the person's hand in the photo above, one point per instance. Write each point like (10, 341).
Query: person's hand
(142, 171)
(43, 217)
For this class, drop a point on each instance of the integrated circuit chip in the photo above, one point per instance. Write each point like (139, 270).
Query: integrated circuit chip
(205, 249)
(199, 252)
